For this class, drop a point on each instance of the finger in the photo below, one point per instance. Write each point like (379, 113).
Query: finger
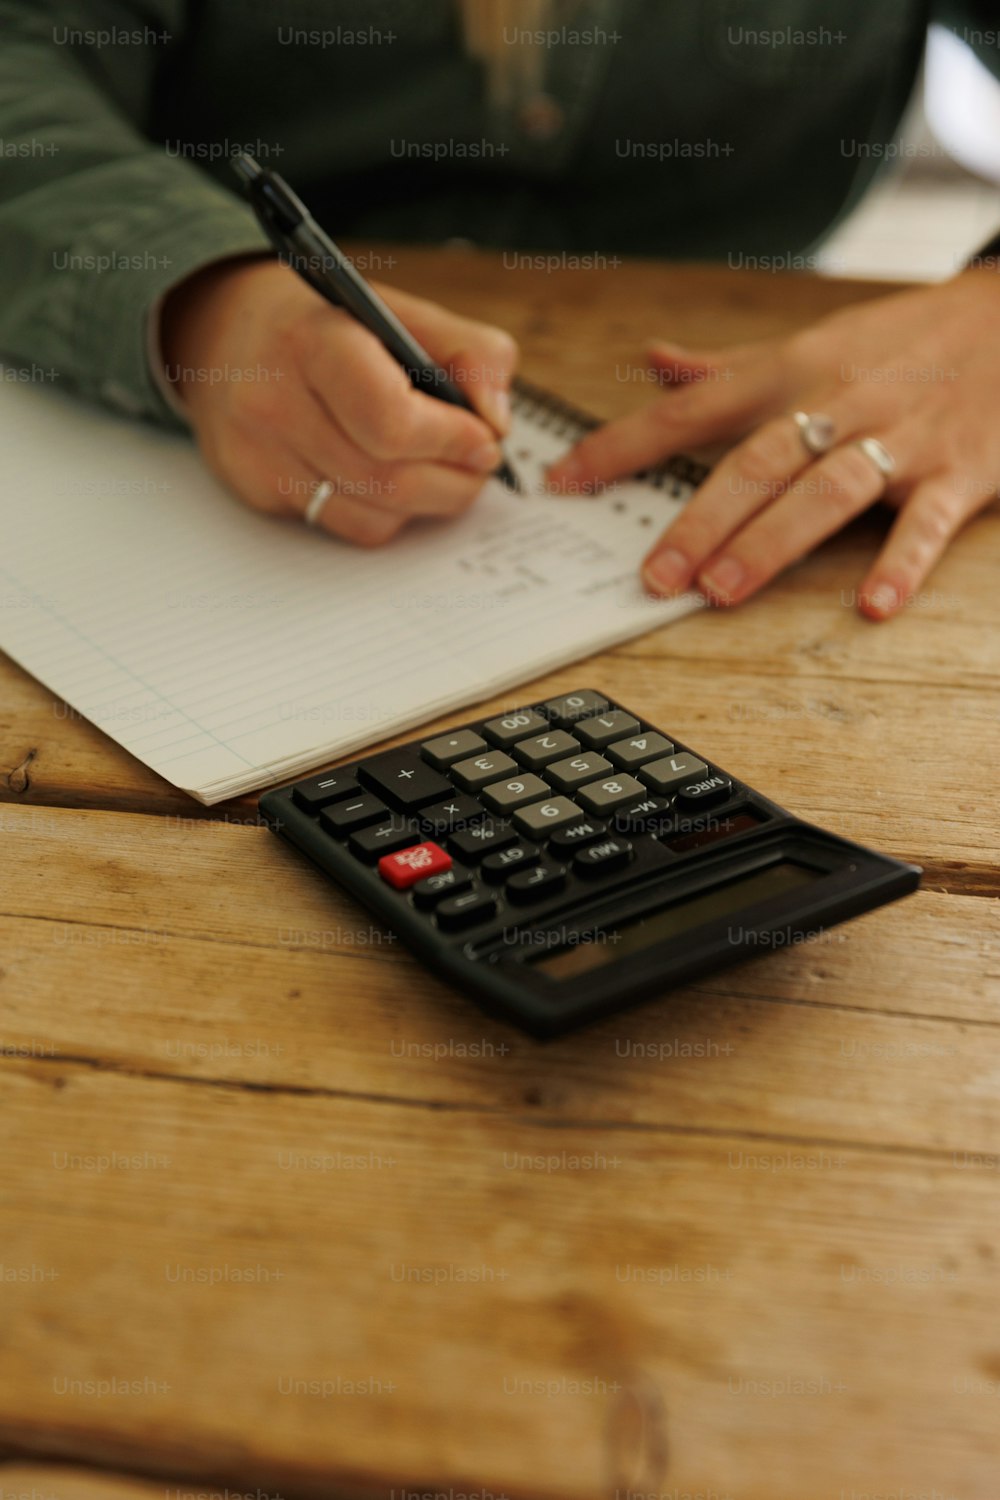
(477, 357)
(264, 473)
(683, 418)
(927, 522)
(748, 478)
(676, 365)
(740, 485)
(831, 492)
(405, 489)
(358, 521)
(368, 395)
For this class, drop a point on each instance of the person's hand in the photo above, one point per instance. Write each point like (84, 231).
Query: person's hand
(285, 391)
(917, 370)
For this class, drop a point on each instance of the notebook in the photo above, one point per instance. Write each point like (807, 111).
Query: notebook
(228, 650)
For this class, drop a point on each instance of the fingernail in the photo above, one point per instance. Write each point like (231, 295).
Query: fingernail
(883, 599)
(667, 570)
(497, 404)
(485, 459)
(724, 579)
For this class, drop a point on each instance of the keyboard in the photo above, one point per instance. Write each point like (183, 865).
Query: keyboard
(564, 860)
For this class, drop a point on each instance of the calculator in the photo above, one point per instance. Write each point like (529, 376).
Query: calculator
(569, 858)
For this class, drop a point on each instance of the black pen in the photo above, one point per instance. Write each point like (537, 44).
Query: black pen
(304, 246)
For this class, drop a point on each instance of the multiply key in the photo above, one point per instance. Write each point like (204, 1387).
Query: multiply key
(456, 811)
(403, 779)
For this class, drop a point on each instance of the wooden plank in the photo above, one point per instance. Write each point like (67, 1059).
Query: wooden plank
(791, 1322)
(895, 1013)
(42, 1482)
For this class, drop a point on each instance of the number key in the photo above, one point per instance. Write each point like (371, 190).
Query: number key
(504, 796)
(639, 749)
(543, 818)
(505, 730)
(668, 774)
(602, 796)
(543, 748)
(575, 706)
(481, 769)
(596, 733)
(571, 773)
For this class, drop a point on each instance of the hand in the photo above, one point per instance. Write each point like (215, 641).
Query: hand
(919, 370)
(285, 391)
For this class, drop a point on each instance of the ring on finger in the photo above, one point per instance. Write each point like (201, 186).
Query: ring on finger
(816, 430)
(317, 501)
(879, 455)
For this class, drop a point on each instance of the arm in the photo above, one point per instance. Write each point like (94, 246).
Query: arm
(96, 222)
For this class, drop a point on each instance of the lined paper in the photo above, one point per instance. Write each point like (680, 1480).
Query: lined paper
(229, 650)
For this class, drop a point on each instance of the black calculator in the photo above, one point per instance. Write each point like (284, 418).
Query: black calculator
(564, 860)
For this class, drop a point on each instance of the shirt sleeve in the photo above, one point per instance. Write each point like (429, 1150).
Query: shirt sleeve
(97, 223)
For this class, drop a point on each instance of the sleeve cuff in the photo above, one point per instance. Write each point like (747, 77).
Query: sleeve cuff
(121, 323)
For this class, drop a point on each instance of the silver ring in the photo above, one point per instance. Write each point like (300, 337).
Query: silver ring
(879, 455)
(318, 499)
(816, 431)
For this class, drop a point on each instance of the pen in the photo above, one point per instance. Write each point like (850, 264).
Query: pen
(304, 246)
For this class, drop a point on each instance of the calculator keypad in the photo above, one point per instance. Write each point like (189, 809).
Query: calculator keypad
(528, 810)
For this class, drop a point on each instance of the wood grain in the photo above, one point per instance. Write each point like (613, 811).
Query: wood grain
(252, 1253)
(283, 1216)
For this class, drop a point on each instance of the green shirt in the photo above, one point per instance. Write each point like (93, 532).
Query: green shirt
(737, 130)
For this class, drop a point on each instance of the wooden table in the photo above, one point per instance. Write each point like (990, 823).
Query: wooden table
(284, 1216)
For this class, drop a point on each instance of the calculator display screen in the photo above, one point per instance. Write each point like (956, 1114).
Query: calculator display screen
(608, 944)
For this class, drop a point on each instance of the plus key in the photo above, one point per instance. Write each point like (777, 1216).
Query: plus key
(403, 780)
